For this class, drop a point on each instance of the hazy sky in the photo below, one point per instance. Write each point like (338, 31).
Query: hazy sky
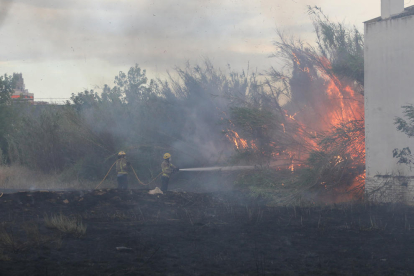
(65, 46)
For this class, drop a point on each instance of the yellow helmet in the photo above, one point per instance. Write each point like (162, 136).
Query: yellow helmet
(167, 156)
(121, 153)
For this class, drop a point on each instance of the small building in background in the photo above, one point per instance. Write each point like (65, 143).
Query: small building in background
(20, 92)
(389, 85)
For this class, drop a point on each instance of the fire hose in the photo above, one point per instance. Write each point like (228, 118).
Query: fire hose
(105, 175)
(139, 181)
(230, 168)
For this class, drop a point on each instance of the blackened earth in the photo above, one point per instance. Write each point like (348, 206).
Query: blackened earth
(201, 234)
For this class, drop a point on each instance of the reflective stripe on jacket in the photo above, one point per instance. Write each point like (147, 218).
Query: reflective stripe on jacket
(167, 168)
(121, 166)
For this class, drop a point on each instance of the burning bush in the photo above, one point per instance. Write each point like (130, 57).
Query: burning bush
(339, 166)
(257, 127)
(320, 102)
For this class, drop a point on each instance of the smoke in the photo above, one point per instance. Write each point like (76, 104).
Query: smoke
(232, 168)
(200, 134)
(183, 116)
(202, 92)
(5, 6)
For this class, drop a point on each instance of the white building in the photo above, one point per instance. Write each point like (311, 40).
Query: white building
(389, 84)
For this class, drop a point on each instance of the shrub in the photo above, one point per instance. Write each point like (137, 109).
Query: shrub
(66, 225)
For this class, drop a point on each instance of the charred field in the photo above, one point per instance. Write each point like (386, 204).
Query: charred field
(199, 234)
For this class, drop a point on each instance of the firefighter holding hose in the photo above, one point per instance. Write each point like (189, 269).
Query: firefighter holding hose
(121, 169)
(167, 169)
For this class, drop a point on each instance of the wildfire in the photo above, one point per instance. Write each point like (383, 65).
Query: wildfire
(341, 115)
(332, 108)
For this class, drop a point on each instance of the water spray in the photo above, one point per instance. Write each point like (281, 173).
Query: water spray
(232, 168)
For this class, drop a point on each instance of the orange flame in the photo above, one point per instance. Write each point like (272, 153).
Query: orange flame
(336, 105)
(239, 143)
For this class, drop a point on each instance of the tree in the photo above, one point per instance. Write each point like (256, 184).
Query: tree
(406, 126)
(343, 46)
(6, 116)
(85, 100)
(6, 89)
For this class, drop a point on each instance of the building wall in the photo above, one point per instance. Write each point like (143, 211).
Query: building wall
(20, 92)
(389, 84)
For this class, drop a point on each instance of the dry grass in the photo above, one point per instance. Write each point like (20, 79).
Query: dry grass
(7, 239)
(19, 177)
(13, 240)
(66, 225)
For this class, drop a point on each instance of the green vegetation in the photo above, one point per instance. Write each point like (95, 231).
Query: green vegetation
(79, 141)
(342, 46)
(406, 126)
(6, 114)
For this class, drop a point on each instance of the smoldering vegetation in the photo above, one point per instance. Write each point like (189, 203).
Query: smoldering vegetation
(301, 125)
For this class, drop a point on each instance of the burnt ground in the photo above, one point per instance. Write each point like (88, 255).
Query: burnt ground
(201, 234)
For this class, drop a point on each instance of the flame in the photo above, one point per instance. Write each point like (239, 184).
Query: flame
(296, 59)
(336, 105)
(239, 143)
(253, 145)
(339, 105)
(348, 108)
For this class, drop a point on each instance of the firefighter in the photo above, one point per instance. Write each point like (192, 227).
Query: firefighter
(121, 169)
(167, 169)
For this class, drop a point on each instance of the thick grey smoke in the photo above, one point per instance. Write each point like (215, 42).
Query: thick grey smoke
(5, 6)
(201, 133)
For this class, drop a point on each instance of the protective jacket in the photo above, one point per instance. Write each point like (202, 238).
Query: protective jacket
(121, 166)
(167, 168)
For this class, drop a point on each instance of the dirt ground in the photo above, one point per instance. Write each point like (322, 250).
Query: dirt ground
(201, 234)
